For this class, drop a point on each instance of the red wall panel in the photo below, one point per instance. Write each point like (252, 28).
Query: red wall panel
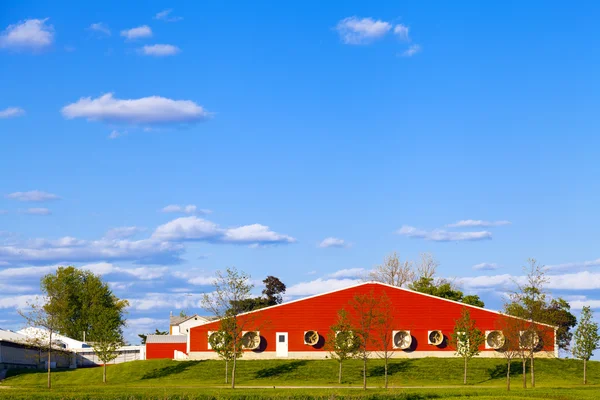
(412, 311)
(163, 350)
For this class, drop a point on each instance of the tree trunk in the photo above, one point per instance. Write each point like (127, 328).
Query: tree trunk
(226, 371)
(365, 372)
(340, 374)
(508, 376)
(465, 373)
(524, 372)
(49, 361)
(104, 374)
(532, 371)
(386, 372)
(233, 372)
(584, 371)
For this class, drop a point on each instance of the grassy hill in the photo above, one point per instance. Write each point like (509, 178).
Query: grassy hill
(202, 378)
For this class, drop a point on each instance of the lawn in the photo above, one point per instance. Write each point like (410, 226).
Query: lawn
(426, 378)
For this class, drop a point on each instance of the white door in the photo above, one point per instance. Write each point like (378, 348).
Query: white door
(281, 339)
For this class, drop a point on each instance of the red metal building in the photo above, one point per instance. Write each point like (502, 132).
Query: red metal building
(165, 346)
(422, 326)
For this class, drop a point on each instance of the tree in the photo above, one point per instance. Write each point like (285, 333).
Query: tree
(393, 271)
(341, 342)
(144, 337)
(511, 348)
(466, 339)
(529, 302)
(365, 310)
(587, 339)
(222, 343)
(229, 288)
(558, 313)
(74, 299)
(273, 290)
(107, 341)
(39, 317)
(384, 332)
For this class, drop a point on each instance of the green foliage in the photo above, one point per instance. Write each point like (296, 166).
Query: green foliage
(81, 302)
(272, 293)
(342, 343)
(587, 338)
(466, 339)
(222, 341)
(444, 289)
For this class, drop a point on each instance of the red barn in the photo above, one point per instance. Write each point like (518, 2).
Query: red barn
(165, 346)
(422, 326)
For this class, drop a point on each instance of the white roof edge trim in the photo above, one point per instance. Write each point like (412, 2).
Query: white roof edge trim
(387, 285)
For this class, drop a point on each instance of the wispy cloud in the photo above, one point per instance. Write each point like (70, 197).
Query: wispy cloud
(100, 28)
(146, 110)
(471, 223)
(139, 32)
(33, 196)
(401, 31)
(160, 50)
(411, 51)
(11, 112)
(123, 232)
(198, 229)
(37, 211)
(440, 235)
(317, 286)
(116, 134)
(333, 242)
(189, 209)
(31, 34)
(348, 273)
(486, 266)
(165, 15)
(575, 265)
(360, 31)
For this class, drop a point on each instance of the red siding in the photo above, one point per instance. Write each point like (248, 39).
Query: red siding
(163, 350)
(412, 311)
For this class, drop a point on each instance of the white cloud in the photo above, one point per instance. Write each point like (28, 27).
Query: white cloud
(198, 229)
(470, 223)
(579, 304)
(43, 251)
(402, 32)
(33, 195)
(354, 30)
(485, 266)
(319, 285)
(146, 323)
(37, 211)
(123, 232)
(116, 134)
(189, 209)
(332, 242)
(177, 301)
(160, 50)
(440, 235)
(146, 110)
(255, 233)
(574, 265)
(348, 273)
(26, 272)
(142, 273)
(143, 31)
(165, 16)
(11, 112)
(31, 34)
(21, 301)
(412, 50)
(100, 27)
(577, 281)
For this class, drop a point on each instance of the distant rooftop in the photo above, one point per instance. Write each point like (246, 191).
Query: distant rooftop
(166, 339)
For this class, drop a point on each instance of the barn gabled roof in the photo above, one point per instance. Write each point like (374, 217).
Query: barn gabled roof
(391, 287)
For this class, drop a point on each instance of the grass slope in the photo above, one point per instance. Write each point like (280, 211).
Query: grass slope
(166, 379)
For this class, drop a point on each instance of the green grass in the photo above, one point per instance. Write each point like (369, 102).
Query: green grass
(439, 378)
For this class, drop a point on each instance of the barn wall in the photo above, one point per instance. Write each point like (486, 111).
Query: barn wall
(412, 311)
(163, 350)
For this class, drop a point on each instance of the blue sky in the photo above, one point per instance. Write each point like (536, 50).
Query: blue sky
(376, 124)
